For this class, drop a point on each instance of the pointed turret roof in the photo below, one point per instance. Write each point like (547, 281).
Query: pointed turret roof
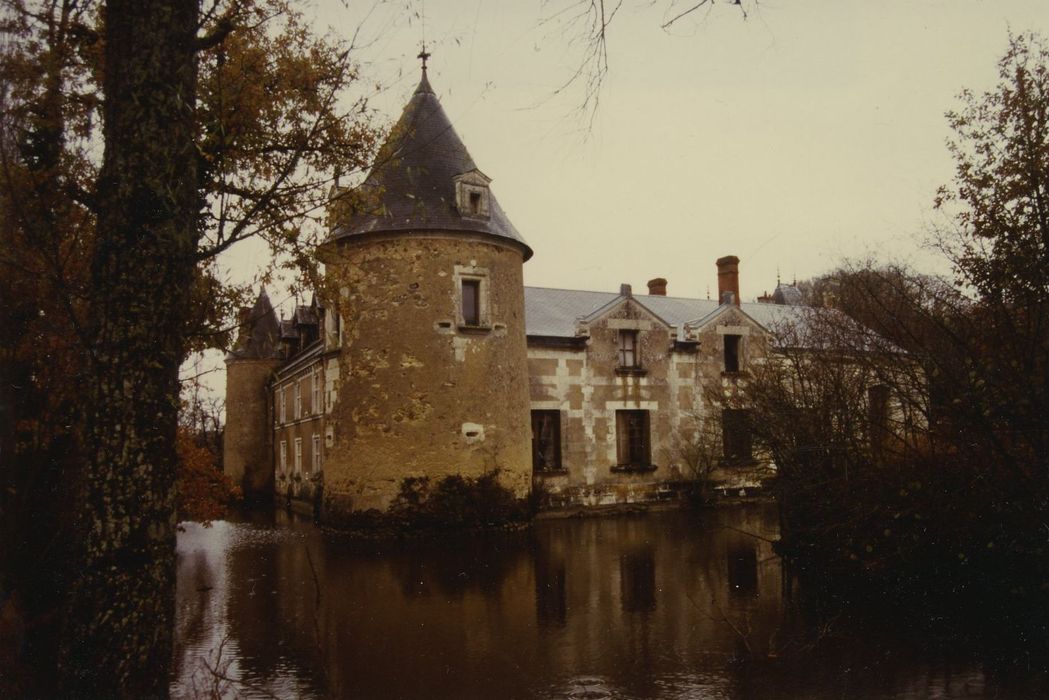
(259, 336)
(412, 185)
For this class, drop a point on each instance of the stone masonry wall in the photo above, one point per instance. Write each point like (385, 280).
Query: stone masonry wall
(419, 394)
(677, 387)
(586, 388)
(247, 438)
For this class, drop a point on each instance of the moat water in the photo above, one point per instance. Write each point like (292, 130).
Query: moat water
(669, 605)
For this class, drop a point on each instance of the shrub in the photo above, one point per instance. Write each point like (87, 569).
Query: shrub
(457, 502)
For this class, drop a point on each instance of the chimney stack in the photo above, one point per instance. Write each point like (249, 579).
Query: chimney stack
(657, 287)
(728, 278)
(625, 290)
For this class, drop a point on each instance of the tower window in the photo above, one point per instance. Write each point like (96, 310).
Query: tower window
(471, 293)
(475, 203)
(732, 347)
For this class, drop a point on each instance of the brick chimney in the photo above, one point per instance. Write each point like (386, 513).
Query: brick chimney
(728, 278)
(657, 287)
(625, 290)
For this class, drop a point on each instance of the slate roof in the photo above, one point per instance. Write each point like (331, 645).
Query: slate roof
(259, 338)
(412, 182)
(786, 294)
(304, 316)
(554, 312)
(288, 328)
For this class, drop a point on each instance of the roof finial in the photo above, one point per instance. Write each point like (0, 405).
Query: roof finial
(423, 56)
(777, 276)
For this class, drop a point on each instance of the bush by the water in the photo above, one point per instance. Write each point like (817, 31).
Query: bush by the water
(457, 502)
(959, 549)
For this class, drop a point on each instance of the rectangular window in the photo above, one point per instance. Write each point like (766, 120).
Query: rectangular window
(628, 355)
(316, 453)
(298, 400)
(632, 444)
(284, 455)
(546, 441)
(282, 401)
(315, 399)
(298, 455)
(735, 436)
(878, 415)
(471, 302)
(732, 346)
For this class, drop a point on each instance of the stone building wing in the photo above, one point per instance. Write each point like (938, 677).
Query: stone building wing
(425, 179)
(556, 313)
(260, 332)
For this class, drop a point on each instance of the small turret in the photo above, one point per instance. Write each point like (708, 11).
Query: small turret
(247, 454)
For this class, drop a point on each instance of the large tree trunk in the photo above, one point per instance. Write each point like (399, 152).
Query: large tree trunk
(117, 640)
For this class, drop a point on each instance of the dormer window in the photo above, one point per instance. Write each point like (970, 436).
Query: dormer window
(628, 358)
(471, 194)
(732, 352)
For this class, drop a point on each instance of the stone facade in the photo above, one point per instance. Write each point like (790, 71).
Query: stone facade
(425, 405)
(669, 386)
(247, 438)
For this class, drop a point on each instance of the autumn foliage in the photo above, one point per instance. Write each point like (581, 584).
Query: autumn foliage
(204, 492)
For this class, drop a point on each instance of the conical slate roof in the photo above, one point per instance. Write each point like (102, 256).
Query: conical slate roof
(412, 185)
(259, 337)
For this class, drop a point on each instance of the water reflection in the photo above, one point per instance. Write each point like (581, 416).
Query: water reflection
(639, 607)
(637, 578)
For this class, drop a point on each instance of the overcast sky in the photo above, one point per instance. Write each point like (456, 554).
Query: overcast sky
(811, 131)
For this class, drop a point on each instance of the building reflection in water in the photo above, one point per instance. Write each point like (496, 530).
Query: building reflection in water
(551, 603)
(637, 579)
(653, 606)
(743, 571)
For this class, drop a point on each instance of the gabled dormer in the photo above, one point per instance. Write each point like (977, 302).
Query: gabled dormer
(472, 194)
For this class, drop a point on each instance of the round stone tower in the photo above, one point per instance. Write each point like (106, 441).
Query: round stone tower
(426, 271)
(247, 439)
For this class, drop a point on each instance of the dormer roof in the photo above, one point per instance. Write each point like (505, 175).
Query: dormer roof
(412, 186)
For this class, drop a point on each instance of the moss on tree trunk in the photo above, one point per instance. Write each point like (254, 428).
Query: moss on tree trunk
(117, 640)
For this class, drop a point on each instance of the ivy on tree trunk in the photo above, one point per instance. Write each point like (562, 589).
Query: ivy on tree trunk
(118, 626)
